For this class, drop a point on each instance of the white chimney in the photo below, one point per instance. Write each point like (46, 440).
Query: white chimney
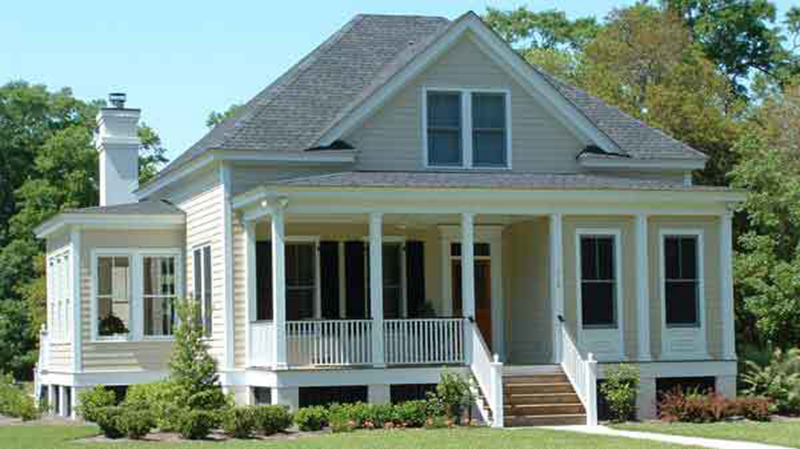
(118, 143)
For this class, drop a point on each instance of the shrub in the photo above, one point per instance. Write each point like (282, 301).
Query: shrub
(696, 407)
(108, 419)
(778, 381)
(620, 388)
(754, 408)
(196, 424)
(311, 418)
(340, 419)
(239, 422)
(272, 419)
(413, 413)
(15, 402)
(135, 422)
(453, 395)
(93, 401)
(159, 399)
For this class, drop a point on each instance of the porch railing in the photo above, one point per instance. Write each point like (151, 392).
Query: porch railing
(423, 341)
(488, 373)
(42, 363)
(582, 373)
(262, 334)
(328, 343)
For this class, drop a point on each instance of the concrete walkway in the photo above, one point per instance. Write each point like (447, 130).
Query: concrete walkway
(674, 439)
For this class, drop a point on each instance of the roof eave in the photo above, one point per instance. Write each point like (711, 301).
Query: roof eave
(639, 164)
(67, 220)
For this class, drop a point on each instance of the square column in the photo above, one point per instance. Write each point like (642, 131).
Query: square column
(468, 265)
(556, 281)
(376, 286)
(251, 282)
(279, 288)
(726, 286)
(51, 398)
(62, 402)
(642, 290)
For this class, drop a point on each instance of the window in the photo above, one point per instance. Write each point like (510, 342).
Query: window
(60, 291)
(159, 295)
(392, 279)
(598, 281)
(444, 129)
(113, 296)
(489, 130)
(681, 280)
(467, 128)
(203, 287)
(301, 270)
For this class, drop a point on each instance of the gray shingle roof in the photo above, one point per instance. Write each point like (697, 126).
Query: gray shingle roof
(293, 112)
(487, 180)
(148, 207)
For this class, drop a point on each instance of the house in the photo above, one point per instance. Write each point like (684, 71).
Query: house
(324, 229)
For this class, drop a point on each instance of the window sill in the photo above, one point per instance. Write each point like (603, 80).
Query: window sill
(462, 168)
(155, 338)
(111, 339)
(683, 326)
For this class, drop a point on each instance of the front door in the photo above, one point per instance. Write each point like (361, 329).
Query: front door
(483, 295)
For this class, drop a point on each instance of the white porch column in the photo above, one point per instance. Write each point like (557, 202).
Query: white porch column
(556, 281)
(726, 285)
(62, 401)
(279, 288)
(642, 290)
(468, 280)
(51, 398)
(376, 286)
(252, 294)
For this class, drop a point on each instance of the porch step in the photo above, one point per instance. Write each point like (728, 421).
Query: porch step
(541, 400)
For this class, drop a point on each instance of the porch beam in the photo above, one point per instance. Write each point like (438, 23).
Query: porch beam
(376, 286)
(726, 281)
(642, 289)
(556, 281)
(278, 239)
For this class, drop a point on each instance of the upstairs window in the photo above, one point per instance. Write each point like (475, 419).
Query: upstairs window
(598, 281)
(444, 129)
(682, 280)
(467, 128)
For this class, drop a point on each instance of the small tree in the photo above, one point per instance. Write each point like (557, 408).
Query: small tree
(192, 368)
(620, 388)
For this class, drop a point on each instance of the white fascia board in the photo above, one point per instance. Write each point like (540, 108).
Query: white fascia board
(321, 157)
(109, 222)
(620, 163)
(498, 50)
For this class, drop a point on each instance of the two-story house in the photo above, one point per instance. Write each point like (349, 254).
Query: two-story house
(324, 230)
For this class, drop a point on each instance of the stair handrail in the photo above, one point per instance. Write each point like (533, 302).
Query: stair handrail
(488, 371)
(581, 372)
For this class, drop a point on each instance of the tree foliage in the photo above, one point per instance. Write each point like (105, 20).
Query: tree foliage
(215, 118)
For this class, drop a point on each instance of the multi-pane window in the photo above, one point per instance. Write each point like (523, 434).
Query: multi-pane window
(489, 130)
(300, 280)
(159, 295)
(598, 281)
(392, 279)
(113, 296)
(60, 292)
(682, 280)
(444, 129)
(203, 287)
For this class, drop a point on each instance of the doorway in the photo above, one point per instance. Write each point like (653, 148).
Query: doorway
(483, 287)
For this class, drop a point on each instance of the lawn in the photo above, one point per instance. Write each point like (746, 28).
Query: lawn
(58, 437)
(780, 433)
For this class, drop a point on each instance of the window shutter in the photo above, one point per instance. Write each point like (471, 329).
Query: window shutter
(415, 277)
(356, 280)
(329, 278)
(263, 280)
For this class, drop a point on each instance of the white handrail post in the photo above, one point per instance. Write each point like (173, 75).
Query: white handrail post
(497, 392)
(591, 391)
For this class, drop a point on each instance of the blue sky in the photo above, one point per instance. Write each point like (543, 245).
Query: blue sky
(179, 60)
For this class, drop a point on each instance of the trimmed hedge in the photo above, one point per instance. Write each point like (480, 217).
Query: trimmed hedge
(196, 424)
(271, 419)
(695, 407)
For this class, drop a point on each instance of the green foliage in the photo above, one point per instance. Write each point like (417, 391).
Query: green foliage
(135, 423)
(17, 349)
(548, 29)
(239, 422)
(453, 395)
(92, 402)
(416, 413)
(196, 424)
(779, 380)
(15, 402)
(159, 399)
(620, 388)
(311, 419)
(109, 420)
(271, 419)
(215, 118)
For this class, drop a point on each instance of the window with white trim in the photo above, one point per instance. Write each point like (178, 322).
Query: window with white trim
(113, 296)
(301, 269)
(59, 286)
(159, 295)
(203, 288)
(598, 281)
(392, 279)
(466, 128)
(681, 280)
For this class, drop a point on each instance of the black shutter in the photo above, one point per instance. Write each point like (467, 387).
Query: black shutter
(264, 280)
(329, 278)
(355, 282)
(415, 278)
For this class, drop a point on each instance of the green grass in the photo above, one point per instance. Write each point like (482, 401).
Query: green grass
(781, 433)
(55, 437)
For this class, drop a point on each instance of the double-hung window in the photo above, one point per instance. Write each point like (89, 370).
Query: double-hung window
(467, 128)
(301, 269)
(203, 287)
(59, 294)
(392, 280)
(681, 280)
(598, 281)
(159, 295)
(114, 285)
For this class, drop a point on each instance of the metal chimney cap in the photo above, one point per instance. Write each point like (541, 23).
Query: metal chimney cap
(117, 99)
